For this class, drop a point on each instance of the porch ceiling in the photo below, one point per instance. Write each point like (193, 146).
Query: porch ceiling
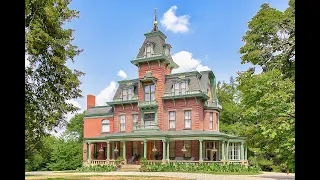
(168, 135)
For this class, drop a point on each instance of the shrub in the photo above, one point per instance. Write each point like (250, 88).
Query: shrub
(97, 168)
(185, 167)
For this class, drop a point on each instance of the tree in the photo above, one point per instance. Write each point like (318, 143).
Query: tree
(49, 83)
(270, 40)
(66, 154)
(269, 108)
(75, 126)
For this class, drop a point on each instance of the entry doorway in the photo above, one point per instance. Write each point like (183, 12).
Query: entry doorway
(150, 154)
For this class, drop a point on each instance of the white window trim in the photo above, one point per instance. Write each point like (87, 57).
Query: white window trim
(107, 122)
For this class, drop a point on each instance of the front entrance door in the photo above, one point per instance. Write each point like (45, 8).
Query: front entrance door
(150, 154)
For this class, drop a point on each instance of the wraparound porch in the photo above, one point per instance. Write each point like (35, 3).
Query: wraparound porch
(167, 146)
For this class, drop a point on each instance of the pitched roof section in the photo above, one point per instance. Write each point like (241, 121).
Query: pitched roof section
(158, 38)
(99, 111)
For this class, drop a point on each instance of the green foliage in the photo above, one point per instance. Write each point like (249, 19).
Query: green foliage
(208, 168)
(270, 40)
(75, 126)
(49, 83)
(97, 168)
(119, 161)
(269, 105)
(66, 154)
(41, 155)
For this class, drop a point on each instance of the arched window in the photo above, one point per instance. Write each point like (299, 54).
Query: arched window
(105, 126)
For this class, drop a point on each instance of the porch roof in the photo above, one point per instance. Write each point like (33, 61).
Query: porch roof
(167, 135)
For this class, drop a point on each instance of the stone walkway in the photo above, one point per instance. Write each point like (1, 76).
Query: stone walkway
(197, 176)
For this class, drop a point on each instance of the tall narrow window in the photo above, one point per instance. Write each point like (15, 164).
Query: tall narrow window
(149, 120)
(234, 151)
(187, 144)
(122, 123)
(187, 119)
(149, 91)
(124, 95)
(211, 120)
(172, 149)
(183, 88)
(148, 49)
(176, 89)
(129, 93)
(172, 120)
(135, 121)
(105, 126)
(217, 121)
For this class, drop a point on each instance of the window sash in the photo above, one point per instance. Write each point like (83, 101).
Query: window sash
(149, 93)
(124, 94)
(129, 93)
(211, 121)
(187, 119)
(122, 123)
(217, 121)
(106, 128)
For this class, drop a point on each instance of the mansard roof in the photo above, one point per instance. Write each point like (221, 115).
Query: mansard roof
(99, 111)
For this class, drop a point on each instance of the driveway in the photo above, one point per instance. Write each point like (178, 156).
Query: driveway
(198, 176)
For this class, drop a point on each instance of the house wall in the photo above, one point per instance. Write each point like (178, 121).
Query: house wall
(128, 111)
(179, 107)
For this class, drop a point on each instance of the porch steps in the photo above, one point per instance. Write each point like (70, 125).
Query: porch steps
(129, 168)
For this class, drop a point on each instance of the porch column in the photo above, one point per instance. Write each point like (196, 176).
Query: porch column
(163, 150)
(124, 150)
(168, 150)
(200, 150)
(89, 155)
(227, 151)
(108, 150)
(245, 153)
(142, 119)
(145, 148)
(222, 150)
(112, 150)
(241, 152)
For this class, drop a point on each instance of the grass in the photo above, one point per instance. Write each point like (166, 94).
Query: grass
(99, 177)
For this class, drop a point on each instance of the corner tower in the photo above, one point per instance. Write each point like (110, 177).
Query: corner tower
(154, 61)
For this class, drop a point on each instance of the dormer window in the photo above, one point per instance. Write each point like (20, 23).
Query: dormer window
(180, 88)
(127, 94)
(148, 50)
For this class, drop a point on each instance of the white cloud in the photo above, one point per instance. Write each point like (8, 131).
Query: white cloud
(187, 63)
(106, 94)
(173, 23)
(122, 74)
(201, 67)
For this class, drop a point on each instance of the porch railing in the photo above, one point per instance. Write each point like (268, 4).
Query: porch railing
(180, 93)
(102, 162)
(213, 104)
(153, 162)
(145, 126)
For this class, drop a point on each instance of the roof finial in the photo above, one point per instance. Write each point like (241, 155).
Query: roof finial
(155, 23)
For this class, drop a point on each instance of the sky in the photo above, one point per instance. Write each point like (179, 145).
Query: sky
(204, 35)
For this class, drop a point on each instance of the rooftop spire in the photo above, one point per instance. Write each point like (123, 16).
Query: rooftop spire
(155, 23)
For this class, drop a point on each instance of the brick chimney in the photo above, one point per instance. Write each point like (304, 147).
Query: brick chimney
(91, 101)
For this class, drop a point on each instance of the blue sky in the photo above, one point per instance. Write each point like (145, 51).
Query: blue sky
(206, 32)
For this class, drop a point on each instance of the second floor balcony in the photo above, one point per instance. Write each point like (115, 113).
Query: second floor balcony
(212, 105)
(147, 104)
(186, 94)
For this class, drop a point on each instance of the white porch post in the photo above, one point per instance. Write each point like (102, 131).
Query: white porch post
(108, 150)
(163, 150)
(200, 150)
(168, 150)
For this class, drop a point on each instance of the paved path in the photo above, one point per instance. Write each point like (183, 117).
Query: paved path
(198, 176)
